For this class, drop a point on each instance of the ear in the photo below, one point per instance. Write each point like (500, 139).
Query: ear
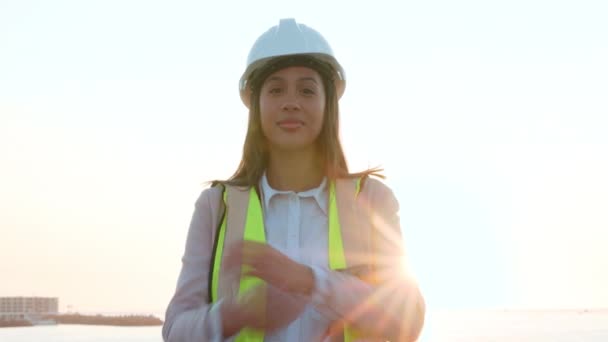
(340, 86)
(246, 97)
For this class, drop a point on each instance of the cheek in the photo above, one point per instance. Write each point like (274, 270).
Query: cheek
(266, 120)
(319, 115)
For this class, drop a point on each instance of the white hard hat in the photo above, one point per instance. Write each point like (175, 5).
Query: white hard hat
(287, 39)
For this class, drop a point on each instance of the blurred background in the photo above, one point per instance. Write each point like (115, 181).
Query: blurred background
(490, 119)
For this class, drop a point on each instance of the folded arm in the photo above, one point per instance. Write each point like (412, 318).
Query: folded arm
(386, 304)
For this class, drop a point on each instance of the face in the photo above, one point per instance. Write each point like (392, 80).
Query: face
(292, 106)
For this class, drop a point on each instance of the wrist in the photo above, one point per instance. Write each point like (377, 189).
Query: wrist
(232, 320)
(305, 281)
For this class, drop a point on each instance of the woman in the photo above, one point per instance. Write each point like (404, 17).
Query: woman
(293, 247)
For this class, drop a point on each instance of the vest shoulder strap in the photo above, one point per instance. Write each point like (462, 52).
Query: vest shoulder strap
(211, 284)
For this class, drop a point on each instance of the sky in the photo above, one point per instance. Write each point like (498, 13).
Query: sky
(489, 117)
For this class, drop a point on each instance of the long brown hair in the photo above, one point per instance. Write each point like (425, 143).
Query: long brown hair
(255, 150)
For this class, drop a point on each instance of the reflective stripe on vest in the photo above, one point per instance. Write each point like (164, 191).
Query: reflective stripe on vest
(337, 258)
(251, 227)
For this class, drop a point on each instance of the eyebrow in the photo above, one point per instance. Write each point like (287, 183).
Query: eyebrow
(277, 78)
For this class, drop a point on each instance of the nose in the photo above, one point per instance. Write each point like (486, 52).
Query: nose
(290, 103)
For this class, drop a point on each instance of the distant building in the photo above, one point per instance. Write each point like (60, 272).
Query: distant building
(23, 307)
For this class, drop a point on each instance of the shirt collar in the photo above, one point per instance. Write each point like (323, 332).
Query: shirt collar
(319, 193)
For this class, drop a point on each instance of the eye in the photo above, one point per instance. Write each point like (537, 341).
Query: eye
(275, 90)
(308, 91)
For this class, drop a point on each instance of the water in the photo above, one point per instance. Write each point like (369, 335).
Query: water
(520, 326)
(81, 333)
(451, 326)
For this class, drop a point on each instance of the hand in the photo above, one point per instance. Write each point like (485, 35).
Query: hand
(263, 308)
(265, 262)
(270, 306)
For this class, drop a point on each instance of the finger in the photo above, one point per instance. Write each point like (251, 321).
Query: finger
(255, 247)
(252, 272)
(253, 252)
(233, 255)
(236, 247)
(264, 274)
(245, 252)
(253, 244)
(271, 278)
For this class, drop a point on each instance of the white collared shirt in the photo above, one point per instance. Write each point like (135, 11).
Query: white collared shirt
(296, 225)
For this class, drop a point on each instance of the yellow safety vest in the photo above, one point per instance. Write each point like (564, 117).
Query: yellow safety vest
(235, 225)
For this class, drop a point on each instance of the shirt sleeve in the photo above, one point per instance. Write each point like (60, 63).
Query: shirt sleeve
(189, 317)
(392, 308)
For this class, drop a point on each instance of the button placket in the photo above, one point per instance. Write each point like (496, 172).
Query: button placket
(293, 226)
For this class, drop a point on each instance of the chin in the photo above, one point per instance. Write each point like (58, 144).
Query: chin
(293, 146)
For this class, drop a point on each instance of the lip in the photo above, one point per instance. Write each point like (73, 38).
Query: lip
(290, 124)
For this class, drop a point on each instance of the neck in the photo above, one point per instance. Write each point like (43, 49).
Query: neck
(294, 170)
